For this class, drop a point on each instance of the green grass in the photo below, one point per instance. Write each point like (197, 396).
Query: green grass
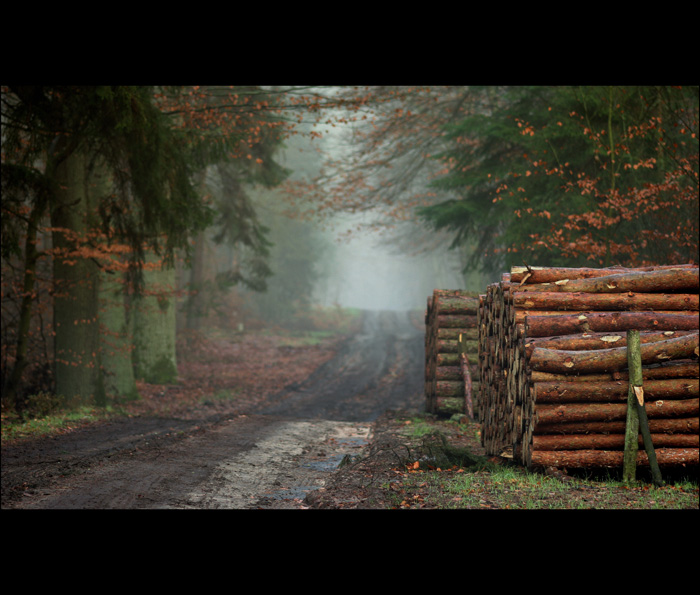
(15, 428)
(439, 475)
(509, 487)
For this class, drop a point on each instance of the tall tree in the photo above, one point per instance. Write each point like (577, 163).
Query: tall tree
(54, 137)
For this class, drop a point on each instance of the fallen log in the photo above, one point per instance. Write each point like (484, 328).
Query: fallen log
(450, 346)
(682, 425)
(456, 320)
(578, 412)
(447, 302)
(449, 388)
(658, 281)
(448, 373)
(671, 369)
(471, 334)
(539, 325)
(580, 301)
(666, 457)
(535, 275)
(611, 392)
(609, 441)
(600, 340)
(613, 359)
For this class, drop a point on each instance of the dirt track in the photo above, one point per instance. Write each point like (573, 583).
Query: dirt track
(271, 456)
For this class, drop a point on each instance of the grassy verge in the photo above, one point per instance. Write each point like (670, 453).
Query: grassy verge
(63, 420)
(440, 474)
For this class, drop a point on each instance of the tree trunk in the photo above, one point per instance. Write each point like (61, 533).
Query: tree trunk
(154, 323)
(76, 285)
(195, 299)
(31, 258)
(116, 344)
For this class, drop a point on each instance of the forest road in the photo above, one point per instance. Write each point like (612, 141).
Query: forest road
(271, 457)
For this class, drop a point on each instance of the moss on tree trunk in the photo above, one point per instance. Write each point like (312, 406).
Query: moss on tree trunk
(154, 323)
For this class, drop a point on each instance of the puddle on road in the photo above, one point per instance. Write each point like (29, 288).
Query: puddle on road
(341, 447)
(347, 446)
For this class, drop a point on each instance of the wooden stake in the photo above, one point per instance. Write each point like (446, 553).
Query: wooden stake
(646, 435)
(634, 363)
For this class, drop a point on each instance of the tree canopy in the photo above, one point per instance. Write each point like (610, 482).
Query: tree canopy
(573, 175)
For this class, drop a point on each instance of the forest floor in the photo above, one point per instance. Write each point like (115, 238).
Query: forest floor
(266, 420)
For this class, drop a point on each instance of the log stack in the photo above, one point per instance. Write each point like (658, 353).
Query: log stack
(494, 402)
(553, 358)
(451, 328)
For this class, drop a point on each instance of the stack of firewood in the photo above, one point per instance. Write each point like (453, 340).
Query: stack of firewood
(492, 398)
(553, 346)
(451, 377)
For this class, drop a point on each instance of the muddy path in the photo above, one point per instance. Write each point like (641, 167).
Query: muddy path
(271, 455)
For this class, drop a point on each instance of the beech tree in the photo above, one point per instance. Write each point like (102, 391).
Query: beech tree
(56, 140)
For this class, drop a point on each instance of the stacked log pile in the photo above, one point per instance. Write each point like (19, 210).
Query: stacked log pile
(496, 399)
(553, 358)
(451, 327)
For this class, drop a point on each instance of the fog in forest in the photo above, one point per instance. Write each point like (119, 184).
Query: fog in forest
(369, 273)
(355, 263)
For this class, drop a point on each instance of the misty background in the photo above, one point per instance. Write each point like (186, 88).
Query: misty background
(351, 260)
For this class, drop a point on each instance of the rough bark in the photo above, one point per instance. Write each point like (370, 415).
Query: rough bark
(470, 334)
(672, 369)
(591, 459)
(580, 301)
(582, 326)
(586, 341)
(451, 317)
(683, 425)
(457, 321)
(614, 359)
(609, 441)
(540, 325)
(453, 304)
(613, 391)
(539, 275)
(578, 412)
